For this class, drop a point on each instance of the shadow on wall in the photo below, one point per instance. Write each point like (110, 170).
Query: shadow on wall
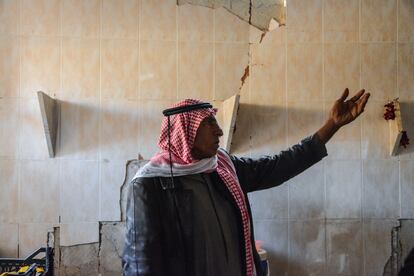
(407, 114)
(264, 128)
(86, 127)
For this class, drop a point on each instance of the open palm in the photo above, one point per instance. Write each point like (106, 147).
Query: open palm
(345, 111)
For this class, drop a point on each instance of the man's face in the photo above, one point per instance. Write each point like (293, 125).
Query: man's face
(206, 141)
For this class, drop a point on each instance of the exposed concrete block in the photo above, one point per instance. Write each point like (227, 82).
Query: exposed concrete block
(79, 260)
(112, 246)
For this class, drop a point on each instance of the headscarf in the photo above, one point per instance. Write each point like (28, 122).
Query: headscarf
(183, 130)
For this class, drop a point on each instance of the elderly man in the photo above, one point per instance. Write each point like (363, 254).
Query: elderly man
(188, 212)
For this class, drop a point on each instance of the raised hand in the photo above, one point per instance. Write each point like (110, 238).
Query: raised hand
(345, 111)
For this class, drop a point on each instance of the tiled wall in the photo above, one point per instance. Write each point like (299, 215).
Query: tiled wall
(336, 216)
(115, 64)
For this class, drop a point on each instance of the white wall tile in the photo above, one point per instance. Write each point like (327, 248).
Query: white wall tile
(268, 131)
(40, 65)
(9, 240)
(32, 236)
(32, 140)
(195, 23)
(231, 60)
(307, 247)
(79, 130)
(307, 193)
(81, 18)
(80, 68)
(343, 189)
(39, 191)
(377, 245)
(379, 70)
(407, 188)
(344, 248)
(79, 191)
(119, 129)
(9, 128)
(304, 72)
(120, 18)
(40, 17)
(119, 69)
(9, 66)
(9, 191)
(375, 132)
(158, 70)
(378, 20)
(78, 233)
(380, 189)
(274, 237)
(158, 20)
(304, 21)
(229, 28)
(9, 17)
(270, 203)
(406, 21)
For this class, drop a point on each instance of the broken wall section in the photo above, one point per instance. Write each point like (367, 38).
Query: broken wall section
(263, 14)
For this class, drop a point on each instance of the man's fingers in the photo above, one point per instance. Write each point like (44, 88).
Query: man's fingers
(357, 95)
(344, 95)
(362, 102)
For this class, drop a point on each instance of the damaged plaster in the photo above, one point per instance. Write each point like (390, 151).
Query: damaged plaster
(102, 257)
(259, 13)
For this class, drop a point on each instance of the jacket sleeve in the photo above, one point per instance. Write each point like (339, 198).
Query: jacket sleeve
(143, 252)
(271, 171)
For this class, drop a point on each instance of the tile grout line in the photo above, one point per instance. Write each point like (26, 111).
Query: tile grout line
(287, 140)
(361, 133)
(59, 110)
(325, 109)
(100, 113)
(398, 94)
(177, 58)
(139, 96)
(19, 110)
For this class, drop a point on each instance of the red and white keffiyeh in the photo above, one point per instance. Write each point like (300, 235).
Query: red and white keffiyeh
(183, 130)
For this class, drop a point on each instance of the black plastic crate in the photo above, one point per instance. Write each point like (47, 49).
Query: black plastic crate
(33, 260)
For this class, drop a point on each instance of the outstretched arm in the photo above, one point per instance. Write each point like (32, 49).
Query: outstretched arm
(271, 171)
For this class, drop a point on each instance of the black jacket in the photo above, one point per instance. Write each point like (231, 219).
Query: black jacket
(159, 215)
